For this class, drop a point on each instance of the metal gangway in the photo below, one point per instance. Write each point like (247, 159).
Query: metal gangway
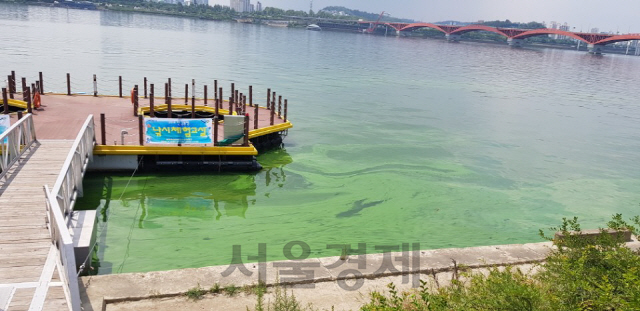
(35, 240)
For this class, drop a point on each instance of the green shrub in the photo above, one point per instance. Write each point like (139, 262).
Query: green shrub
(231, 290)
(508, 289)
(283, 301)
(196, 293)
(592, 274)
(582, 273)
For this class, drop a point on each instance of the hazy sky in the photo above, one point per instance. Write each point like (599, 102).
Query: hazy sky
(611, 15)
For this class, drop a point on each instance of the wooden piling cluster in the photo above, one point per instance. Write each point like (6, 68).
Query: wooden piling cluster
(29, 91)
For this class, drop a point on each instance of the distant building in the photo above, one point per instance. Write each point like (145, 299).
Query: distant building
(259, 7)
(241, 6)
(563, 27)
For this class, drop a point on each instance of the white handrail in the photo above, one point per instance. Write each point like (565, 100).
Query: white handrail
(60, 202)
(19, 137)
(68, 186)
(66, 261)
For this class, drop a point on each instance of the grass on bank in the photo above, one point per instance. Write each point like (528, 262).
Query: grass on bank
(583, 273)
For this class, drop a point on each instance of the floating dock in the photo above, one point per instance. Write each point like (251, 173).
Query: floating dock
(121, 135)
(51, 140)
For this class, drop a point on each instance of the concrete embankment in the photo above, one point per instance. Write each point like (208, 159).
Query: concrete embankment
(325, 282)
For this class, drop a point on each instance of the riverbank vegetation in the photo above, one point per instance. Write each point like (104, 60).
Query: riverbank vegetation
(582, 273)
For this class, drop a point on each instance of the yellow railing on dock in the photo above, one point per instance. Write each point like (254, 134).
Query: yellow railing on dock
(173, 150)
(175, 107)
(270, 129)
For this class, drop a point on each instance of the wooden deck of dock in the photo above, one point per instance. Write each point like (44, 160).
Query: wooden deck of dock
(26, 266)
(61, 116)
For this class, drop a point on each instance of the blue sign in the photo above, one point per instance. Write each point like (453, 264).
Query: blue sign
(178, 131)
(5, 124)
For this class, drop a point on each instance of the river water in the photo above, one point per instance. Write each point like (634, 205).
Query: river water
(396, 140)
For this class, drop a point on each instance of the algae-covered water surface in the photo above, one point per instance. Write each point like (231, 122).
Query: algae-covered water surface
(333, 195)
(395, 140)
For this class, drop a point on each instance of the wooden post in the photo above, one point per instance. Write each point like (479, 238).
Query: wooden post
(285, 110)
(95, 86)
(236, 100)
(233, 90)
(5, 100)
(152, 112)
(268, 98)
(255, 116)
(103, 129)
(19, 114)
(120, 86)
(246, 130)
(231, 103)
(273, 101)
(250, 95)
(220, 99)
(244, 103)
(135, 101)
(170, 89)
(193, 107)
(141, 129)
(215, 130)
(215, 89)
(28, 97)
(145, 87)
(10, 90)
(280, 106)
(33, 89)
(24, 88)
(186, 93)
(41, 83)
(169, 110)
(217, 103)
(68, 84)
(273, 108)
(13, 82)
(205, 94)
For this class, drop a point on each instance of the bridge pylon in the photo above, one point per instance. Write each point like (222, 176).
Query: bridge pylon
(452, 37)
(516, 43)
(595, 49)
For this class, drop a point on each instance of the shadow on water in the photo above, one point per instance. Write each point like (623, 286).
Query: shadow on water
(357, 207)
(151, 201)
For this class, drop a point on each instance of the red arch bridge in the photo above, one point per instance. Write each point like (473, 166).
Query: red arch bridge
(515, 36)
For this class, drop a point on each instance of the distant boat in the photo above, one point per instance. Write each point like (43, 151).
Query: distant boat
(314, 27)
(278, 23)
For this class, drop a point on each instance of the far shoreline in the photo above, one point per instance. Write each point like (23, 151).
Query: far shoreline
(533, 45)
